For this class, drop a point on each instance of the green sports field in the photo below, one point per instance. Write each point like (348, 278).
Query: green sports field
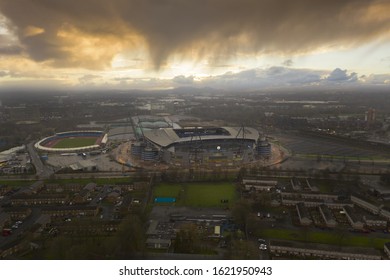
(76, 142)
(199, 194)
(330, 237)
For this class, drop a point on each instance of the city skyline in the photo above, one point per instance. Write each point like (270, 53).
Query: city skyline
(229, 44)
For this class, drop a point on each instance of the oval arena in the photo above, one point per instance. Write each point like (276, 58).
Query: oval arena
(72, 141)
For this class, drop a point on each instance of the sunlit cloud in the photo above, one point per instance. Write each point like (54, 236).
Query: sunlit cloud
(166, 43)
(32, 31)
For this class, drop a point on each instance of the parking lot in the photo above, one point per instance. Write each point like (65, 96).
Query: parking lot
(103, 161)
(300, 144)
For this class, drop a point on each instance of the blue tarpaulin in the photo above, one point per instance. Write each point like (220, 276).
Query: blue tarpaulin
(164, 200)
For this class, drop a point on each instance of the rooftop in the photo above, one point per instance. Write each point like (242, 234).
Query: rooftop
(326, 247)
(167, 136)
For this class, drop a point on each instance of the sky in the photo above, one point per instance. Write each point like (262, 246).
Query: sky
(226, 44)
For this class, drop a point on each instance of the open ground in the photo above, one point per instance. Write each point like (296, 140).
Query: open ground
(311, 146)
(219, 194)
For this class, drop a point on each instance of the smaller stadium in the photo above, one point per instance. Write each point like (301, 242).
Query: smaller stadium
(73, 142)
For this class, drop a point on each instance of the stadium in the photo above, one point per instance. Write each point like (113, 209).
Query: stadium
(72, 142)
(211, 146)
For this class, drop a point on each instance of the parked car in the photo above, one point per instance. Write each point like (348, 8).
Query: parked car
(263, 247)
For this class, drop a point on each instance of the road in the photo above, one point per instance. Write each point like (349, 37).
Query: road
(27, 224)
(42, 171)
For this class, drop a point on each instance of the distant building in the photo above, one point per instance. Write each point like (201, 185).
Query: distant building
(259, 185)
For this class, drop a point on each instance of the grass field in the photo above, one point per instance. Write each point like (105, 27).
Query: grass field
(17, 183)
(333, 238)
(84, 181)
(75, 142)
(198, 194)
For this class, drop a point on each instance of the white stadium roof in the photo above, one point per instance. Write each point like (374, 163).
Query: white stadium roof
(165, 137)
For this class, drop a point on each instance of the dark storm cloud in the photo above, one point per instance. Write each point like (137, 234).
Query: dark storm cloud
(200, 27)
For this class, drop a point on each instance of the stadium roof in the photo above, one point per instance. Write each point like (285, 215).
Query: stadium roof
(165, 137)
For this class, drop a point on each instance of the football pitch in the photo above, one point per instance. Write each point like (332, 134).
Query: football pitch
(75, 142)
(219, 194)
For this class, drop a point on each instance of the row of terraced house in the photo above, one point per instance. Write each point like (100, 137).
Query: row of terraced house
(378, 216)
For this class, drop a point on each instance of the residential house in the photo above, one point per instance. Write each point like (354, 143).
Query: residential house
(355, 221)
(387, 249)
(5, 219)
(303, 214)
(328, 216)
(41, 199)
(321, 251)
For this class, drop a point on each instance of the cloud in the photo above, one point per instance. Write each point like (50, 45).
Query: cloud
(377, 79)
(3, 73)
(272, 77)
(9, 44)
(288, 63)
(183, 80)
(10, 50)
(90, 33)
(88, 79)
(338, 75)
(32, 31)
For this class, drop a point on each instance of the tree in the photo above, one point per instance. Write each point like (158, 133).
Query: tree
(128, 240)
(243, 250)
(187, 240)
(240, 214)
(242, 173)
